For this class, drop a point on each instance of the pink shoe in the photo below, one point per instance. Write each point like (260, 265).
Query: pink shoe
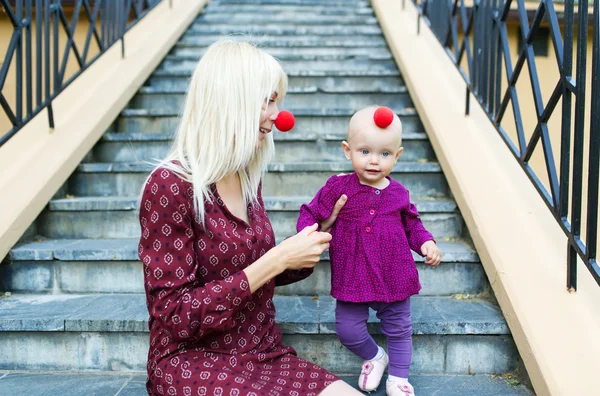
(399, 388)
(371, 373)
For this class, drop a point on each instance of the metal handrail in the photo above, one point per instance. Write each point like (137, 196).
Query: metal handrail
(484, 43)
(45, 77)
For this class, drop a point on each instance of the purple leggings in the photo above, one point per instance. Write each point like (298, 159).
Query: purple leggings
(351, 325)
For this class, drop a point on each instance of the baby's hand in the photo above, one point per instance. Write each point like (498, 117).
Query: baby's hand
(433, 255)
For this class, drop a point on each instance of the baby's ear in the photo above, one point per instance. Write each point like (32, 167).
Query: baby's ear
(346, 148)
(400, 150)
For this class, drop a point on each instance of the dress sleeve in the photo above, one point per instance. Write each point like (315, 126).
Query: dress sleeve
(416, 233)
(321, 206)
(292, 276)
(177, 297)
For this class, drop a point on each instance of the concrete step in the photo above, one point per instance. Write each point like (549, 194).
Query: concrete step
(289, 147)
(308, 121)
(299, 10)
(287, 29)
(283, 179)
(295, 41)
(117, 217)
(112, 266)
(280, 53)
(286, 3)
(345, 55)
(283, 18)
(298, 65)
(160, 98)
(332, 81)
(66, 383)
(109, 332)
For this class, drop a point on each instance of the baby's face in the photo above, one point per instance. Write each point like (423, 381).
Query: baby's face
(373, 151)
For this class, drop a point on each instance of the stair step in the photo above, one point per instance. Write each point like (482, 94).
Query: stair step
(283, 179)
(295, 41)
(289, 147)
(295, 314)
(306, 73)
(126, 249)
(161, 98)
(451, 336)
(306, 53)
(300, 10)
(338, 81)
(285, 30)
(112, 266)
(283, 18)
(308, 121)
(285, 3)
(112, 217)
(134, 384)
(298, 65)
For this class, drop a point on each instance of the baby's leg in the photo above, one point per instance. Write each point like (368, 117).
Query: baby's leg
(397, 327)
(351, 327)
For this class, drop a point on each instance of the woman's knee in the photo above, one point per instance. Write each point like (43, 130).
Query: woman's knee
(340, 388)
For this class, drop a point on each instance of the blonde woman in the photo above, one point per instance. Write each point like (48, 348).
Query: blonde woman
(207, 246)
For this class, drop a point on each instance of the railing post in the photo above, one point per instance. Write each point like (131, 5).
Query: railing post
(594, 149)
(571, 269)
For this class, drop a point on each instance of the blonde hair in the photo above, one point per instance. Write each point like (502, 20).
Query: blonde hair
(218, 131)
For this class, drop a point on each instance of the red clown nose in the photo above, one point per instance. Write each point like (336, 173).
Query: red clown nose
(383, 117)
(284, 121)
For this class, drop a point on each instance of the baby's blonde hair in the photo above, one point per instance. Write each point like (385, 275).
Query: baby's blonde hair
(218, 131)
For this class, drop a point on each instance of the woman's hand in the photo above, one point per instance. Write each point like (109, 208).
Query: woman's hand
(304, 249)
(328, 223)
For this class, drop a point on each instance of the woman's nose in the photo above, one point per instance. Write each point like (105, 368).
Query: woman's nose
(274, 114)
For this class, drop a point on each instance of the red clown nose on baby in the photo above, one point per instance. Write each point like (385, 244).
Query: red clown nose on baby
(284, 121)
(383, 117)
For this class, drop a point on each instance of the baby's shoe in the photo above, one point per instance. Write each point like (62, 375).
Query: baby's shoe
(399, 388)
(371, 373)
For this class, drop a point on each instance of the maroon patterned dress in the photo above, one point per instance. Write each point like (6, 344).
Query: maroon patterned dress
(209, 335)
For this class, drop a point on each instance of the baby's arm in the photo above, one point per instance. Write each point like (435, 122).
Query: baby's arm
(419, 239)
(321, 206)
(415, 231)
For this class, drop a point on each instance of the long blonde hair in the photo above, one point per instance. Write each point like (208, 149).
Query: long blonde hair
(218, 131)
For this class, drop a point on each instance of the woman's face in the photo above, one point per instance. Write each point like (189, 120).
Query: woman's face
(268, 117)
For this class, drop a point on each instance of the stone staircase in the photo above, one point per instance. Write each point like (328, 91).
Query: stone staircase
(76, 298)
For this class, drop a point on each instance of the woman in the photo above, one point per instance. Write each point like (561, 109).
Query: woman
(207, 246)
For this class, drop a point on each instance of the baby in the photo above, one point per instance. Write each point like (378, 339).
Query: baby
(371, 261)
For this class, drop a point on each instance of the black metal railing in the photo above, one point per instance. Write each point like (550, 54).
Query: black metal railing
(476, 36)
(37, 55)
